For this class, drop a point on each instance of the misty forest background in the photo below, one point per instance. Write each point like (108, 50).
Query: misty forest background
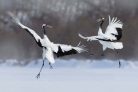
(68, 18)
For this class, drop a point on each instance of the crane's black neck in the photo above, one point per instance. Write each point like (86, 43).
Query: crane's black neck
(44, 29)
(101, 24)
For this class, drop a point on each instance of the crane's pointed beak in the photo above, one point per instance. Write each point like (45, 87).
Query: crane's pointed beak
(49, 26)
(46, 26)
(100, 19)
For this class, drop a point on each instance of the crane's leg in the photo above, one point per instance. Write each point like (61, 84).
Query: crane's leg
(119, 63)
(51, 67)
(38, 75)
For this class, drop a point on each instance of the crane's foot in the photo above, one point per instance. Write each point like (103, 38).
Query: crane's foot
(51, 67)
(119, 64)
(38, 75)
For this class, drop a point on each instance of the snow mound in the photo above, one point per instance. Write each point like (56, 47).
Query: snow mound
(73, 63)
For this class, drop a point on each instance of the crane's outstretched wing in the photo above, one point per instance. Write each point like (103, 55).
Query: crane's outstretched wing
(62, 50)
(99, 37)
(30, 31)
(91, 38)
(114, 29)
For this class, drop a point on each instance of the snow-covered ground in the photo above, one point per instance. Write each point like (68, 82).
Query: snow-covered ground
(71, 76)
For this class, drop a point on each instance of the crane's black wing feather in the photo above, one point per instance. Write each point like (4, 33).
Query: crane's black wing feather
(61, 53)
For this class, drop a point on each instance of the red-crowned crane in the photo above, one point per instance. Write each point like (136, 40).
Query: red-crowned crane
(109, 39)
(49, 48)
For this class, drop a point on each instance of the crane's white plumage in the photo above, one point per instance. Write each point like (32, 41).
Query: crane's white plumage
(111, 28)
(32, 32)
(49, 48)
(111, 45)
(48, 54)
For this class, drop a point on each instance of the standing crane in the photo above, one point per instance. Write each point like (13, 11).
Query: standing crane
(110, 39)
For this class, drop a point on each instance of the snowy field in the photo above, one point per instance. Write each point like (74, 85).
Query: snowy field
(70, 76)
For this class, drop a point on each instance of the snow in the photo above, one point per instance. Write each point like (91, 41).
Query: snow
(88, 76)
